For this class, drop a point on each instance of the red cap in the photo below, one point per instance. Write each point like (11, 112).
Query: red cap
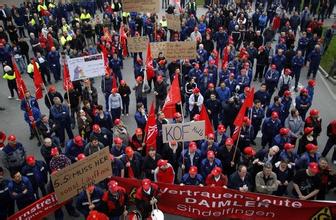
(249, 151)
(284, 131)
(52, 88)
(312, 82)
(275, 115)
(114, 90)
(308, 130)
(216, 171)
(161, 163)
(11, 137)
(304, 91)
(177, 115)
(288, 71)
(211, 85)
(78, 140)
(221, 128)
(96, 128)
(193, 170)
(117, 140)
(229, 141)
(162, 62)
(54, 151)
(112, 186)
(311, 147)
(30, 160)
(273, 66)
(129, 151)
(146, 184)
(246, 120)
(117, 121)
(314, 167)
(287, 93)
(159, 78)
(196, 90)
(211, 136)
(192, 145)
(95, 215)
(314, 112)
(210, 154)
(212, 61)
(139, 78)
(80, 156)
(288, 146)
(196, 117)
(138, 131)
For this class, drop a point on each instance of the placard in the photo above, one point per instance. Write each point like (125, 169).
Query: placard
(175, 50)
(137, 44)
(189, 131)
(151, 6)
(78, 176)
(173, 22)
(86, 67)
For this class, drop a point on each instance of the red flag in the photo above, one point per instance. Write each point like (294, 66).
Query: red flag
(149, 63)
(225, 55)
(173, 98)
(37, 82)
(66, 78)
(114, 81)
(20, 84)
(238, 122)
(216, 57)
(106, 63)
(204, 116)
(151, 129)
(123, 40)
(249, 98)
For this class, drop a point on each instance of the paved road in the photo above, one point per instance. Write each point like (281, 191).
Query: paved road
(12, 118)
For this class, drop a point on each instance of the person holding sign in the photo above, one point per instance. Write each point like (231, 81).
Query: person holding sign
(89, 199)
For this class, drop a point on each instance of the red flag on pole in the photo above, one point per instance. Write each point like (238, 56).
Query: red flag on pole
(114, 81)
(106, 63)
(123, 40)
(225, 55)
(249, 98)
(173, 98)
(149, 63)
(20, 84)
(204, 116)
(66, 78)
(151, 128)
(37, 82)
(238, 122)
(216, 57)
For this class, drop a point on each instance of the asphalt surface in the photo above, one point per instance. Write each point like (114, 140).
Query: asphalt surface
(11, 119)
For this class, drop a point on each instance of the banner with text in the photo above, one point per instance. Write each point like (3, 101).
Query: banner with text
(189, 131)
(173, 22)
(151, 6)
(218, 203)
(137, 44)
(86, 67)
(71, 180)
(39, 209)
(175, 50)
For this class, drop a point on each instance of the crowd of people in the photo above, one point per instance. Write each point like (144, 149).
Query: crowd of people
(240, 45)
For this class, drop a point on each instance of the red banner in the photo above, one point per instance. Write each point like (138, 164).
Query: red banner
(218, 203)
(39, 209)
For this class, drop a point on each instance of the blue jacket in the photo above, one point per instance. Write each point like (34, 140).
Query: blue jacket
(280, 141)
(19, 188)
(185, 159)
(202, 28)
(206, 167)
(14, 156)
(60, 113)
(106, 85)
(281, 46)
(205, 149)
(5, 198)
(262, 20)
(292, 158)
(257, 116)
(270, 128)
(37, 174)
(224, 75)
(314, 58)
(305, 159)
(311, 91)
(36, 114)
(105, 136)
(243, 81)
(204, 81)
(275, 108)
(279, 61)
(302, 44)
(187, 180)
(117, 152)
(223, 94)
(302, 100)
(53, 58)
(72, 150)
(272, 77)
(235, 182)
(263, 97)
(221, 38)
(297, 64)
(203, 55)
(195, 73)
(115, 65)
(140, 120)
(32, 103)
(231, 84)
(223, 138)
(82, 203)
(213, 72)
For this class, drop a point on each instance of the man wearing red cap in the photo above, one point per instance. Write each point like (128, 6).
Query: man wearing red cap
(137, 142)
(52, 93)
(270, 129)
(114, 201)
(315, 121)
(103, 135)
(150, 163)
(140, 116)
(311, 88)
(160, 92)
(209, 144)
(37, 173)
(164, 173)
(195, 103)
(303, 102)
(216, 178)
(220, 135)
(14, 154)
(271, 79)
(289, 154)
(118, 148)
(146, 197)
(141, 90)
(306, 182)
(311, 155)
(225, 155)
(89, 199)
(209, 163)
(120, 130)
(192, 177)
(214, 108)
(307, 138)
(74, 147)
(190, 157)
(247, 157)
(281, 138)
(132, 162)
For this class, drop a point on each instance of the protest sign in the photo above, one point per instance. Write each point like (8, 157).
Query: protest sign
(175, 50)
(137, 44)
(39, 209)
(189, 131)
(151, 6)
(86, 67)
(219, 203)
(173, 22)
(71, 180)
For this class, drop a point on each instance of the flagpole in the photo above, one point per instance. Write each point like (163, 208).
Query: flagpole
(181, 106)
(47, 93)
(235, 150)
(69, 100)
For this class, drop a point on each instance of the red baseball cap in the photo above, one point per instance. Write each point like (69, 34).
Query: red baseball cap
(80, 156)
(139, 78)
(211, 136)
(210, 154)
(112, 186)
(311, 147)
(196, 90)
(146, 184)
(284, 131)
(211, 85)
(249, 151)
(159, 77)
(212, 61)
(275, 115)
(193, 170)
(314, 112)
(287, 93)
(314, 167)
(117, 140)
(308, 130)
(192, 145)
(312, 82)
(288, 146)
(96, 128)
(117, 121)
(196, 117)
(129, 151)
(54, 151)
(229, 141)
(216, 171)
(78, 140)
(221, 128)
(30, 160)
(11, 137)
(162, 162)
(52, 88)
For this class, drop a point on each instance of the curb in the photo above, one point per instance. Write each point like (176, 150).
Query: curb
(326, 75)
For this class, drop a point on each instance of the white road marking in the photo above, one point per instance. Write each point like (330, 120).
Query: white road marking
(327, 86)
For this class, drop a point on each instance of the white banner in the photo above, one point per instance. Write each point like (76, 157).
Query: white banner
(86, 67)
(189, 131)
